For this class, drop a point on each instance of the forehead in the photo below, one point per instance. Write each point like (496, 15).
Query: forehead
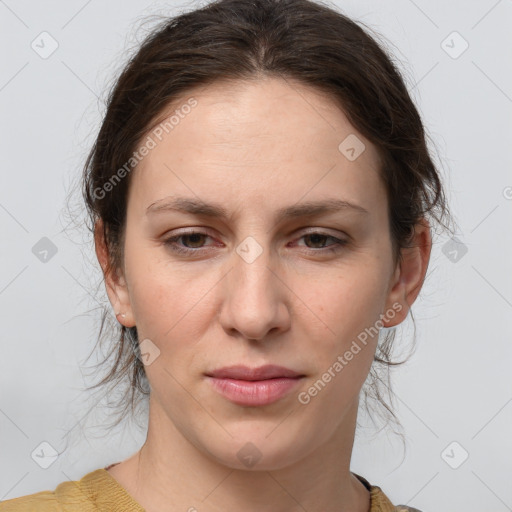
(268, 135)
(256, 108)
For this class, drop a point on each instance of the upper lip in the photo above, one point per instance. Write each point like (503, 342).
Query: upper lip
(240, 372)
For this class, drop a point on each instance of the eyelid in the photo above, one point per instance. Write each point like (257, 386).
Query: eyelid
(337, 246)
(321, 230)
(301, 231)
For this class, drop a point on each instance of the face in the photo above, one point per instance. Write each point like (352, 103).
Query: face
(261, 273)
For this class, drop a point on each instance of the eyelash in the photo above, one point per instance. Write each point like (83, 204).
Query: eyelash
(171, 243)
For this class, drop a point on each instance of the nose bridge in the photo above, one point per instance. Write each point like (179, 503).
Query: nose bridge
(251, 274)
(253, 302)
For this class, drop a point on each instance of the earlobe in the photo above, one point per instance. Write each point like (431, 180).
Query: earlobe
(409, 274)
(115, 283)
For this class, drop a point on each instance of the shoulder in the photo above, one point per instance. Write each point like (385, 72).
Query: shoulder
(95, 491)
(379, 502)
(44, 501)
(67, 496)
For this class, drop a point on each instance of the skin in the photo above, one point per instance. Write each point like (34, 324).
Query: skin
(256, 147)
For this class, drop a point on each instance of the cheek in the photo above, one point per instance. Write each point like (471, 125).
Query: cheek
(172, 314)
(172, 307)
(345, 331)
(342, 304)
(165, 304)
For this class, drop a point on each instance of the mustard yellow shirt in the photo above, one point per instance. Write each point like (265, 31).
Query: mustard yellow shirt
(100, 491)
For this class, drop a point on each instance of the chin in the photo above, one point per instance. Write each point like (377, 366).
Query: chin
(258, 449)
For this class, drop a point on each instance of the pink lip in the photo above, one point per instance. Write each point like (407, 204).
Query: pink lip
(254, 386)
(254, 392)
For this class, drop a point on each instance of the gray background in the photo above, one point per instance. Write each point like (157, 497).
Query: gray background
(457, 386)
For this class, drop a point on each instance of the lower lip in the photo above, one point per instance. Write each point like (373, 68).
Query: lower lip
(255, 392)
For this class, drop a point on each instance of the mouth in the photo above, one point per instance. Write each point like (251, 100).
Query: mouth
(254, 386)
(240, 372)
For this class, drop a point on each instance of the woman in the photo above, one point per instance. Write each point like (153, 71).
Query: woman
(261, 194)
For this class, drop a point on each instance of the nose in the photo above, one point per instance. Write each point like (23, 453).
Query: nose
(256, 300)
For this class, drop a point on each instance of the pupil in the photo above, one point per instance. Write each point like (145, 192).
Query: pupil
(314, 237)
(194, 237)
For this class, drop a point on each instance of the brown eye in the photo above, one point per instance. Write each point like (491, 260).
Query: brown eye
(317, 242)
(194, 243)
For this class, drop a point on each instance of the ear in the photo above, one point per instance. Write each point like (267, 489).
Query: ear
(409, 274)
(115, 283)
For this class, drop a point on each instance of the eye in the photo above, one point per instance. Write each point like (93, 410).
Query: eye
(193, 242)
(319, 238)
(196, 237)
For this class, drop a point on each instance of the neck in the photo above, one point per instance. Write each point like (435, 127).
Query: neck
(170, 473)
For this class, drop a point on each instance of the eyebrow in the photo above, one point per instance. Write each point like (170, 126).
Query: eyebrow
(215, 210)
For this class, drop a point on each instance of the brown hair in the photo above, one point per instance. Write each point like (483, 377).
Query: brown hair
(299, 40)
